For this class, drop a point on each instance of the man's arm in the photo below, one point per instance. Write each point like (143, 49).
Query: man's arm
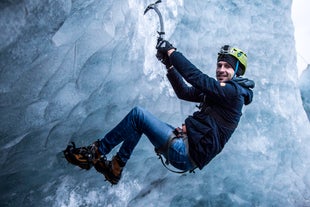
(182, 90)
(202, 82)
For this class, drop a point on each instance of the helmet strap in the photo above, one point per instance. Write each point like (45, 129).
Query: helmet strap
(236, 69)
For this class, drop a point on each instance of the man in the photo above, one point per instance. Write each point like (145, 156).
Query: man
(205, 132)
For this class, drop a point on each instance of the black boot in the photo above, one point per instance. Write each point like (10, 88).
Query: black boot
(82, 156)
(111, 169)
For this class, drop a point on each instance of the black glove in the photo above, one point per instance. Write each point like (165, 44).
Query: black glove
(163, 46)
(164, 59)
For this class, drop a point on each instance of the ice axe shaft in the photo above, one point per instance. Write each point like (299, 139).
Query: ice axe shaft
(161, 33)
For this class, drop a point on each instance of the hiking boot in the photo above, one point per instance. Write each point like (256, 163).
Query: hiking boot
(84, 157)
(111, 169)
(94, 148)
(79, 156)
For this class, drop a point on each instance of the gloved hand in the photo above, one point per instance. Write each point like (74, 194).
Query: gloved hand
(164, 59)
(163, 46)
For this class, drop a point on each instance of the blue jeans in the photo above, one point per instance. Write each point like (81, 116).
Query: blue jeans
(129, 131)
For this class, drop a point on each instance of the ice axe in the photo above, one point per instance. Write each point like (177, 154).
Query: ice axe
(161, 33)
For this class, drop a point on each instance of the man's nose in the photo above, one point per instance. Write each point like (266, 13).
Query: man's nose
(221, 69)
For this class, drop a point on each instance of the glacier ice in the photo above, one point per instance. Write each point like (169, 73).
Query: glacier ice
(70, 70)
(305, 89)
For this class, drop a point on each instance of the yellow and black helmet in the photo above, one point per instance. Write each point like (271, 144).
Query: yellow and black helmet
(235, 57)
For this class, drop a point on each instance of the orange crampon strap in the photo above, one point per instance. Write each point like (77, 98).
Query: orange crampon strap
(81, 156)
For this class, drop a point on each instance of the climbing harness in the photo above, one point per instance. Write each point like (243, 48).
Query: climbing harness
(178, 133)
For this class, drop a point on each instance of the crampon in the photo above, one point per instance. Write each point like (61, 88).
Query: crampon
(79, 156)
(87, 157)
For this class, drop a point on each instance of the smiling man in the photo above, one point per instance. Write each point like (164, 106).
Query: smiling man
(221, 100)
(204, 133)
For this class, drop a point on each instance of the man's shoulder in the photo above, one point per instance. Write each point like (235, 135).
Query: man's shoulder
(244, 82)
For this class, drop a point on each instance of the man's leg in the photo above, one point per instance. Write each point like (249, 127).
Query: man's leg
(129, 131)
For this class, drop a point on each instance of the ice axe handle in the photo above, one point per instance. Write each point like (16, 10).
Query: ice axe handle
(161, 33)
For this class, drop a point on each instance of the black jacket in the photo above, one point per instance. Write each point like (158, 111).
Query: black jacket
(211, 127)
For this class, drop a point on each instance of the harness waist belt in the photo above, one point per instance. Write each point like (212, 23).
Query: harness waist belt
(177, 134)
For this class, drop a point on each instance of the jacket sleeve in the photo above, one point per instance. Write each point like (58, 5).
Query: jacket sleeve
(182, 90)
(202, 82)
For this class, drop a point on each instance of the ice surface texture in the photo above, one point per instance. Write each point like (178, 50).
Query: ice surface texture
(70, 70)
(304, 85)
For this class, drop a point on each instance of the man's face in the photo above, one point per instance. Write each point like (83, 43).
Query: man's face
(224, 71)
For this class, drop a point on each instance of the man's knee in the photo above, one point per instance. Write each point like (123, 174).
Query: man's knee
(137, 110)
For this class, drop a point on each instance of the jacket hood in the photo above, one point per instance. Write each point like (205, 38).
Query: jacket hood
(247, 85)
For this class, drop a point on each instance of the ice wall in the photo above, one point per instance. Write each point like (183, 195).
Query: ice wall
(305, 90)
(70, 70)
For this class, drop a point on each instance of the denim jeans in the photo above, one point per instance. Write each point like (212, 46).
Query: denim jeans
(138, 122)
